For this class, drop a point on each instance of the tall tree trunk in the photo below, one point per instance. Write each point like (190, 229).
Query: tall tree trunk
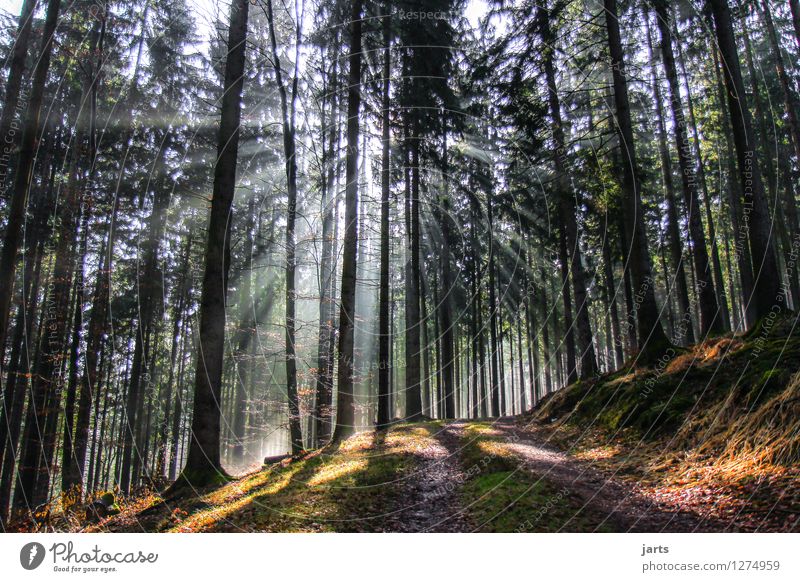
(494, 354)
(149, 296)
(710, 320)
(719, 283)
(290, 158)
(203, 464)
(685, 332)
(24, 170)
(568, 209)
(651, 335)
(413, 320)
(444, 305)
(329, 203)
(384, 363)
(767, 294)
(345, 406)
(476, 322)
(75, 447)
(178, 332)
(740, 232)
(71, 471)
(16, 72)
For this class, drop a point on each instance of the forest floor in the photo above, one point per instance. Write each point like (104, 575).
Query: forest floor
(463, 476)
(707, 439)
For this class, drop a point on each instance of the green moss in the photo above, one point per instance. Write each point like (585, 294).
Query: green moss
(514, 501)
(744, 373)
(344, 491)
(499, 495)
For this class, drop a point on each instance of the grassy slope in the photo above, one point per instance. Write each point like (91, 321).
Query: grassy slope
(716, 427)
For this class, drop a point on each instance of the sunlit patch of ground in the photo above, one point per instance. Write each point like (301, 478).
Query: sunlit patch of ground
(501, 495)
(598, 453)
(130, 508)
(351, 487)
(482, 429)
(622, 379)
(740, 494)
(331, 472)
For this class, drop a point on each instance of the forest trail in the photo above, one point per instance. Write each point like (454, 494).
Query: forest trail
(430, 496)
(460, 476)
(626, 507)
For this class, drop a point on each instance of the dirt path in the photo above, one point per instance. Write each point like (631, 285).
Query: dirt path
(623, 504)
(431, 495)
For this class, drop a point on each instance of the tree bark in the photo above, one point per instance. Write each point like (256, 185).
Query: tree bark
(651, 335)
(767, 294)
(345, 406)
(16, 72)
(290, 159)
(444, 305)
(203, 464)
(23, 171)
(710, 319)
(567, 209)
(384, 363)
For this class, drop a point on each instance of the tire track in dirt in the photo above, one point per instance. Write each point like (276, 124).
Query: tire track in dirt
(626, 508)
(431, 496)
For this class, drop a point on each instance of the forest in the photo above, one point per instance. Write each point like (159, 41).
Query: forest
(399, 265)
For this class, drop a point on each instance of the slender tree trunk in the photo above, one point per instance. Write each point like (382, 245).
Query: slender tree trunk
(413, 319)
(203, 463)
(289, 150)
(345, 406)
(16, 72)
(685, 332)
(767, 294)
(475, 316)
(75, 446)
(23, 171)
(493, 308)
(444, 306)
(178, 328)
(384, 363)
(710, 320)
(71, 471)
(568, 212)
(740, 232)
(719, 283)
(326, 341)
(651, 334)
